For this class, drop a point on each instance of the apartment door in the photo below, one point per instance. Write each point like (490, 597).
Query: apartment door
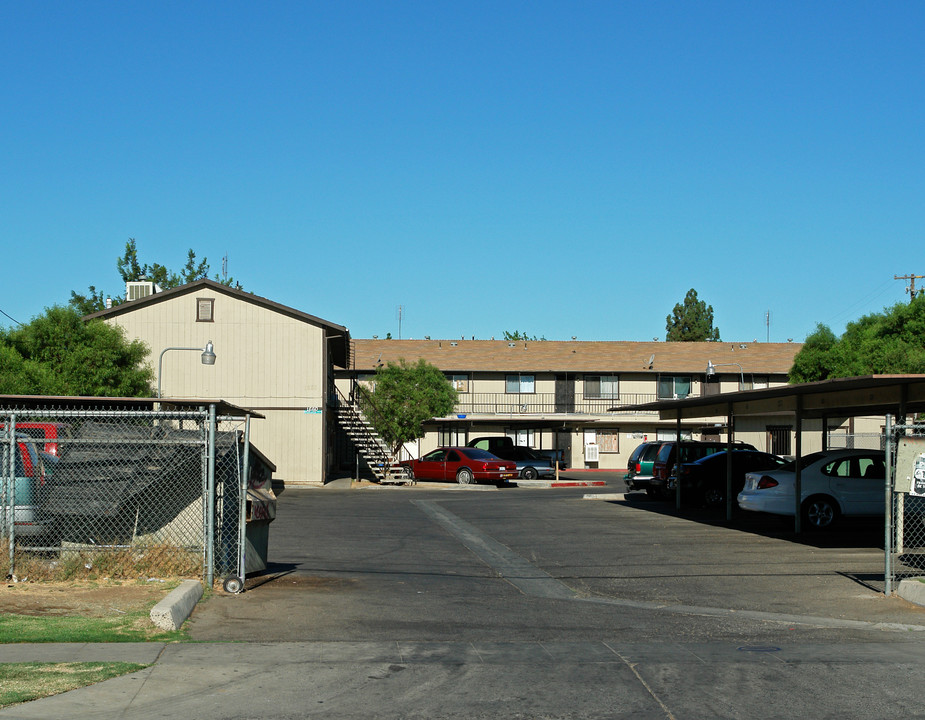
(565, 394)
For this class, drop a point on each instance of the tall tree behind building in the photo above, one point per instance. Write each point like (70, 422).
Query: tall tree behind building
(691, 321)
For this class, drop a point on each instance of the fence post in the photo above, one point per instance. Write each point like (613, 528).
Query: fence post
(10, 483)
(888, 511)
(210, 515)
(242, 498)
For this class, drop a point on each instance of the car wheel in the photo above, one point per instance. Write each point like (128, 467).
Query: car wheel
(820, 512)
(713, 497)
(464, 476)
(529, 473)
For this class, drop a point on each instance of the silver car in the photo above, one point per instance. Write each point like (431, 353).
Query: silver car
(832, 483)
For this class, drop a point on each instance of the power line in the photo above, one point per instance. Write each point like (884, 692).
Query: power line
(12, 318)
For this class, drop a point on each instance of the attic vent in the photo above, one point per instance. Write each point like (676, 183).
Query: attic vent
(205, 310)
(138, 289)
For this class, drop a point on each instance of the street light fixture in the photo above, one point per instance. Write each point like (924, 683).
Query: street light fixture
(207, 358)
(711, 370)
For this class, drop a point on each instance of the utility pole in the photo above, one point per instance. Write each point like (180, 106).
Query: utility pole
(911, 288)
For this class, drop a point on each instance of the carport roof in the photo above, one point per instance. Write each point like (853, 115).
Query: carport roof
(82, 402)
(866, 395)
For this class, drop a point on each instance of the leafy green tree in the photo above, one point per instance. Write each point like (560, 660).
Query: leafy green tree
(60, 354)
(817, 358)
(19, 376)
(891, 342)
(131, 270)
(404, 397)
(517, 335)
(691, 321)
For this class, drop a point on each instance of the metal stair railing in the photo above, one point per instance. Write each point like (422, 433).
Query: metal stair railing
(368, 443)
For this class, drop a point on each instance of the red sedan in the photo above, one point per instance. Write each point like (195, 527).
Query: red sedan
(463, 464)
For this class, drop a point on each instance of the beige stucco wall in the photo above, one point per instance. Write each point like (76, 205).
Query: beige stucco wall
(266, 361)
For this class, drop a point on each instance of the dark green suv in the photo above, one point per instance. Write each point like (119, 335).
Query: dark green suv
(639, 468)
(663, 469)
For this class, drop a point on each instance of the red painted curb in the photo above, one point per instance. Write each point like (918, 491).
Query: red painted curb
(588, 483)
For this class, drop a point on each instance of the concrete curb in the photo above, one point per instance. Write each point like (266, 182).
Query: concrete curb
(913, 590)
(171, 612)
(558, 483)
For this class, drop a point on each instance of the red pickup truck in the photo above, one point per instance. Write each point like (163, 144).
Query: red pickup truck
(32, 470)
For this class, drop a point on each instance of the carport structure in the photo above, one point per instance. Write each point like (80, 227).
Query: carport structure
(893, 396)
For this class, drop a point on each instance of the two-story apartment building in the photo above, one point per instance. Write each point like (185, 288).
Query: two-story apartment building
(271, 359)
(576, 395)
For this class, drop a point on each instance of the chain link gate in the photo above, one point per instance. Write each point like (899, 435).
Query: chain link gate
(123, 493)
(905, 495)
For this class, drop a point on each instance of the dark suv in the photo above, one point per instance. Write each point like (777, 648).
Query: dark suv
(663, 469)
(639, 468)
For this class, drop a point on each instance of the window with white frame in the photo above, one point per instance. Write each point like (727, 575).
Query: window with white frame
(666, 435)
(673, 386)
(459, 382)
(602, 387)
(754, 382)
(519, 384)
(521, 436)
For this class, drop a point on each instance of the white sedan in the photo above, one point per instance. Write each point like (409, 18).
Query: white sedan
(833, 483)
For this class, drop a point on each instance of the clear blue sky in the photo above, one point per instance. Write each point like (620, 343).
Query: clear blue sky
(557, 168)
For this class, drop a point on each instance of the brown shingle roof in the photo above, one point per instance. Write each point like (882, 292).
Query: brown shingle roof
(579, 356)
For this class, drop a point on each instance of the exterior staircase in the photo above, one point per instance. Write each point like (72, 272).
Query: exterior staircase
(368, 443)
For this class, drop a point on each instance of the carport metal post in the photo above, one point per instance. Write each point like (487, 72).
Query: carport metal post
(797, 479)
(730, 431)
(677, 465)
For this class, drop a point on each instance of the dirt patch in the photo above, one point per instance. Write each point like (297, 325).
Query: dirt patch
(87, 600)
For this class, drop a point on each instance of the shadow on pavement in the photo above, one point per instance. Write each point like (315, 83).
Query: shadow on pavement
(848, 533)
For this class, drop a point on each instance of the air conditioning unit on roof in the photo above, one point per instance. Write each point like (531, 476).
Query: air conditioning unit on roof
(137, 289)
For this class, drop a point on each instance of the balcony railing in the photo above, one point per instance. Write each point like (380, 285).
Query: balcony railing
(548, 403)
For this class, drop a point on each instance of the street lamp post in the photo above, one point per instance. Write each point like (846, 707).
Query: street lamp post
(711, 371)
(207, 358)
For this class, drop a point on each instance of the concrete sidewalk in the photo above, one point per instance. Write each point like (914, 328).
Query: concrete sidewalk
(130, 652)
(216, 681)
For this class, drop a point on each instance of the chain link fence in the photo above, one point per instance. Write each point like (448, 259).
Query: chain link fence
(905, 526)
(855, 441)
(122, 493)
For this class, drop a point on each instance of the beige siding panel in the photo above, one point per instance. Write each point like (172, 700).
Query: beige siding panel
(265, 361)
(294, 439)
(261, 354)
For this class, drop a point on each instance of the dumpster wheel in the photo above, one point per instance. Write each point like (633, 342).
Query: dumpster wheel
(233, 585)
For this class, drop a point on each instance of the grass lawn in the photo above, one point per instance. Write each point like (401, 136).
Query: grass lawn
(22, 682)
(129, 627)
(107, 614)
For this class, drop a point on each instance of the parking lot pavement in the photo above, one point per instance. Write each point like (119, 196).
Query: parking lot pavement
(522, 603)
